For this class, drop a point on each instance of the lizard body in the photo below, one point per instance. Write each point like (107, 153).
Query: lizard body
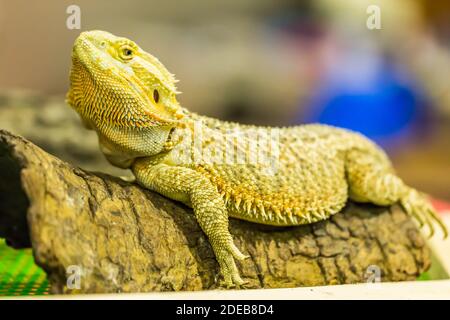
(276, 176)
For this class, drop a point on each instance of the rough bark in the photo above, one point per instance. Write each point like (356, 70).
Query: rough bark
(127, 239)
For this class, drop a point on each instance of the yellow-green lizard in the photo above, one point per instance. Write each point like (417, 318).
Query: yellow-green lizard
(276, 176)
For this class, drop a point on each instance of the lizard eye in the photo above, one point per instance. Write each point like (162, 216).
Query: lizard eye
(126, 53)
(156, 95)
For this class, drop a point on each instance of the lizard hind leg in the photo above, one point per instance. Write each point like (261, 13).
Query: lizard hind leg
(371, 180)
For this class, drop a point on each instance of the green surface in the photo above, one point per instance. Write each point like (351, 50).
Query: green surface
(436, 271)
(19, 275)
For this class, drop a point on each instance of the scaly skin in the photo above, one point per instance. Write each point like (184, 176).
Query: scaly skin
(129, 98)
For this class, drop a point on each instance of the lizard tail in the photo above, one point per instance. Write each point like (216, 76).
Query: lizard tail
(417, 205)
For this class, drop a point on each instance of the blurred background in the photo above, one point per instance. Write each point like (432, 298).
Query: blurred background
(253, 61)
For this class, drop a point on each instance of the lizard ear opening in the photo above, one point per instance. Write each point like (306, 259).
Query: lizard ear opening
(156, 96)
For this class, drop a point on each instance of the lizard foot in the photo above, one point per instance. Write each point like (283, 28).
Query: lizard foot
(225, 254)
(418, 206)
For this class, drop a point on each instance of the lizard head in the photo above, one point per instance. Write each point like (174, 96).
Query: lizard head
(114, 82)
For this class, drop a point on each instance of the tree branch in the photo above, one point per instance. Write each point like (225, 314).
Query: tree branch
(127, 239)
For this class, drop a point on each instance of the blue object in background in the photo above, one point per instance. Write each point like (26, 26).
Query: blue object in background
(369, 96)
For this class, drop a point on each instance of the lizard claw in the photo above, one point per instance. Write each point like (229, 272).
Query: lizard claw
(130, 179)
(237, 254)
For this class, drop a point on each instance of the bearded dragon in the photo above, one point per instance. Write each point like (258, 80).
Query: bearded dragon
(218, 168)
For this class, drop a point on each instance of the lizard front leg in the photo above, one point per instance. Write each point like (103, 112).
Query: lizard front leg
(190, 187)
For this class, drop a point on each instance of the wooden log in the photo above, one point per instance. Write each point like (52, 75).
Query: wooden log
(124, 238)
